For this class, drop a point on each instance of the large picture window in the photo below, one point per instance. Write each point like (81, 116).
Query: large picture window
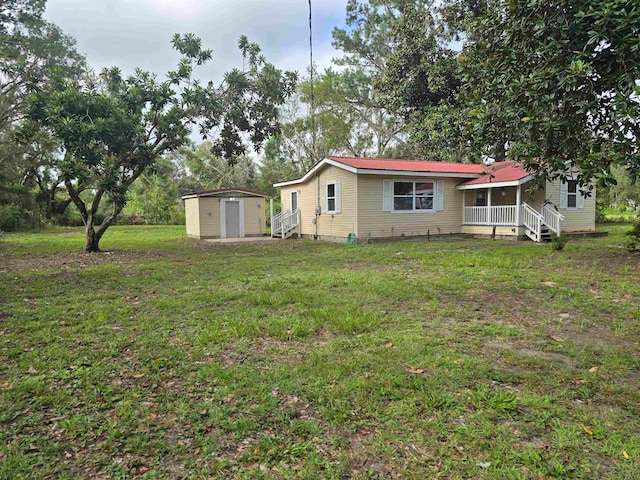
(412, 196)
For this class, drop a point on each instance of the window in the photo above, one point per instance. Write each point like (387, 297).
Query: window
(330, 201)
(412, 196)
(572, 194)
(331, 197)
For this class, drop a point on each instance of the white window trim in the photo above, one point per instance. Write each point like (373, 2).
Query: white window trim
(337, 204)
(413, 198)
(564, 196)
(388, 196)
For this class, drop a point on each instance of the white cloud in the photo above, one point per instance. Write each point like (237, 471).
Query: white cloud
(177, 9)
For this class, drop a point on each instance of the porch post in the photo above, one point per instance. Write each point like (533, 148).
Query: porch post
(518, 204)
(464, 204)
(271, 211)
(489, 215)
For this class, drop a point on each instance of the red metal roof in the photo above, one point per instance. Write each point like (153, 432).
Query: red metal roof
(229, 189)
(409, 165)
(501, 172)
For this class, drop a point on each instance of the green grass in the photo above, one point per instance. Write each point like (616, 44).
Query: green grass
(168, 358)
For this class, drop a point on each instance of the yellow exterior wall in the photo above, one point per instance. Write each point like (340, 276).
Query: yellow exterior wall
(192, 217)
(307, 196)
(575, 220)
(330, 226)
(254, 216)
(373, 222)
(209, 217)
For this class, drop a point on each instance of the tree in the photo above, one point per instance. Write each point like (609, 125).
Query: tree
(209, 171)
(367, 45)
(31, 49)
(111, 129)
(555, 85)
(422, 82)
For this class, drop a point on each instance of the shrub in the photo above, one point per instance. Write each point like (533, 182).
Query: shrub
(10, 217)
(558, 242)
(634, 236)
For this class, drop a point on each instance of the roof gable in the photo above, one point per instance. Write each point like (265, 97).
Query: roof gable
(377, 166)
(222, 192)
(500, 174)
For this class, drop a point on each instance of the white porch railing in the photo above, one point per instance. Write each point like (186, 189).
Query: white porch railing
(283, 223)
(533, 221)
(552, 218)
(505, 215)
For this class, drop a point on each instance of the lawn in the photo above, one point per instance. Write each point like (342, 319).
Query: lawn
(168, 358)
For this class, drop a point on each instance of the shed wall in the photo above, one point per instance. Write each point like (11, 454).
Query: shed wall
(254, 216)
(209, 217)
(192, 217)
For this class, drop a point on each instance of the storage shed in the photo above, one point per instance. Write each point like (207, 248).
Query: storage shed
(225, 213)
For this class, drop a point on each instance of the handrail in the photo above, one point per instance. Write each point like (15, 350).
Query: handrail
(284, 222)
(532, 220)
(552, 218)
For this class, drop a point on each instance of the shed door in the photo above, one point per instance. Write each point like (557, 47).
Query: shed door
(232, 218)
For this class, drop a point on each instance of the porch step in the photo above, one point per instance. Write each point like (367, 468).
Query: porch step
(545, 235)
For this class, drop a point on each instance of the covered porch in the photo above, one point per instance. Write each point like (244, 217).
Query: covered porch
(499, 209)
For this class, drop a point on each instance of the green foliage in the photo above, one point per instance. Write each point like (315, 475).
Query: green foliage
(634, 236)
(31, 51)
(111, 129)
(558, 242)
(10, 217)
(556, 83)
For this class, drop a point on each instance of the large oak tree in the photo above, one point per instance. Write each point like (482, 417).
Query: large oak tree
(110, 129)
(555, 84)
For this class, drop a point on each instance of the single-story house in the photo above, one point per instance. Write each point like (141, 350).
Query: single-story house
(341, 198)
(225, 213)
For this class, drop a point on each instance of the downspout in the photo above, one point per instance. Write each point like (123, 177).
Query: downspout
(318, 206)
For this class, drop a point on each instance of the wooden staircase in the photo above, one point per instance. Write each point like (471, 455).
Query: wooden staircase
(285, 224)
(540, 226)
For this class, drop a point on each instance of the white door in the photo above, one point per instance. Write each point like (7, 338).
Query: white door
(232, 219)
(294, 201)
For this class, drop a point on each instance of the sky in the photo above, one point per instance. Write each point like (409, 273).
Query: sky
(137, 33)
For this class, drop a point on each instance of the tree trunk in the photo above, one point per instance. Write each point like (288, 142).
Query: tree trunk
(92, 238)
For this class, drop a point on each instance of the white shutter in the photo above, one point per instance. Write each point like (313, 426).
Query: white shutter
(387, 196)
(439, 195)
(338, 194)
(579, 199)
(323, 197)
(564, 188)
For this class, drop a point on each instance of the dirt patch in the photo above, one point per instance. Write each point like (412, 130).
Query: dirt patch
(64, 262)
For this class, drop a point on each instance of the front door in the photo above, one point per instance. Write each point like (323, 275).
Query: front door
(294, 201)
(232, 218)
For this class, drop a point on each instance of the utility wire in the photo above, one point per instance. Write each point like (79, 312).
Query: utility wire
(312, 104)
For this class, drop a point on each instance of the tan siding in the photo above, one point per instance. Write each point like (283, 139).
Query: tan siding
(575, 220)
(209, 217)
(192, 217)
(330, 226)
(341, 224)
(373, 222)
(306, 204)
(254, 216)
